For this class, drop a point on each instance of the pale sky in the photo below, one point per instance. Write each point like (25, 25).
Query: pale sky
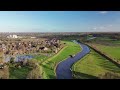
(59, 21)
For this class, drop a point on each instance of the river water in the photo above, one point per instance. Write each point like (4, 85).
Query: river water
(18, 58)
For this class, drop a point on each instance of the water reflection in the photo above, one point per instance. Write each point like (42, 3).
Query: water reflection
(18, 58)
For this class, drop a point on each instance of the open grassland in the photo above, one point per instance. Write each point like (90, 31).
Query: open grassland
(49, 65)
(107, 46)
(19, 73)
(111, 51)
(93, 65)
(41, 58)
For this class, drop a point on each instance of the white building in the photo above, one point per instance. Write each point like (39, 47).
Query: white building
(12, 36)
(15, 36)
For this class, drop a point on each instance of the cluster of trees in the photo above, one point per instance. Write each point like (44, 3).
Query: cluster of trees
(4, 69)
(35, 73)
(115, 37)
(4, 73)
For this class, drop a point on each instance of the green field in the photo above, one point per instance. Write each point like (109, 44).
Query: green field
(19, 73)
(50, 64)
(107, 46)
(112, 51)
(92, 65)
(41, 58)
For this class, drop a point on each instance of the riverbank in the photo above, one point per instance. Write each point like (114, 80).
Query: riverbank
(63, 70)
(49, 66)
(92, 66)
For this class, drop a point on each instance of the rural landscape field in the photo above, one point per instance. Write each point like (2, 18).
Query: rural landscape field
(59, 45)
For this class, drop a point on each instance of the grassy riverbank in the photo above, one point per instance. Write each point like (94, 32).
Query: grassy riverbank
(93, 65)
(50, 64)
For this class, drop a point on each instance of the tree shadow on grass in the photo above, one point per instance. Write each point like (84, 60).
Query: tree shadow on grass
(79, 75)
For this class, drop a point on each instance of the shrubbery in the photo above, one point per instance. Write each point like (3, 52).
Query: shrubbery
(35, 73)
(32, 63)
(4, 73)
(12, 60)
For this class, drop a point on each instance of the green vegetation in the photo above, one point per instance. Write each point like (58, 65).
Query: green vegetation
(108, 46)
(50, 64)
(41, 58)
(4, 73)
(35, 73)
(92, 66)
(109, 50)
(19, 73)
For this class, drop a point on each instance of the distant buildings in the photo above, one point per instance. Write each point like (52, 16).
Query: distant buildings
(13, 36)
(33, 37)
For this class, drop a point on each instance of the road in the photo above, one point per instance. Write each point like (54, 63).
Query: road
(63, 70)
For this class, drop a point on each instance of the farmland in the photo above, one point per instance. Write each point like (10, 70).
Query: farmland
(92, 66)
(107, 46)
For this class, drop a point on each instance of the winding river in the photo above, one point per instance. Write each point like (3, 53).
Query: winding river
(63, 70)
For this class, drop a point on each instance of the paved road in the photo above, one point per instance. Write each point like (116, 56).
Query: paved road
(63, 69)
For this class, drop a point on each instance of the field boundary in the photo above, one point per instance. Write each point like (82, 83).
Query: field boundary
(105, 56)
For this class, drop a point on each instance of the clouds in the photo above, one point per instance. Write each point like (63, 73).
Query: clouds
(103, 28)
(103, 12)
(94, 28)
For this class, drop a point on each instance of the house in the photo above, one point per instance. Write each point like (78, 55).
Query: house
(45, 48)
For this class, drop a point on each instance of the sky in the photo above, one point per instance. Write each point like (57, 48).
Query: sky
(59, 21)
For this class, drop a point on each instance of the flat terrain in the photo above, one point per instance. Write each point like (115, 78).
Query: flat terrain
(108, 46)
(111, 51)
(92, 65)
(41, 58)
(49, 65)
